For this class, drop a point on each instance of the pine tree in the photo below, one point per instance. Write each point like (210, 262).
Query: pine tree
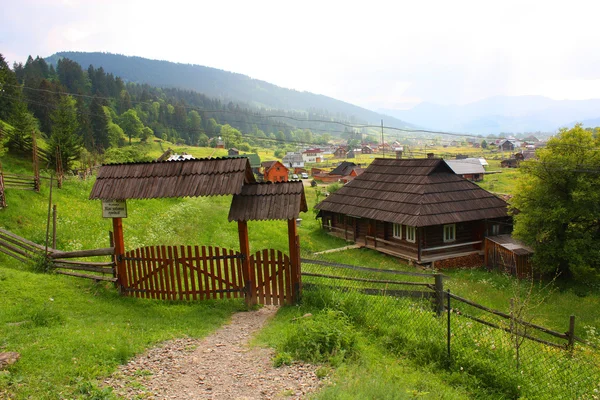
(64, 137)
(99, 122)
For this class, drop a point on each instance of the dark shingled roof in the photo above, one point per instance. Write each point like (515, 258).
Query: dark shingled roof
(267, 201)
(344, 169)
(415, 192)
(189, 178)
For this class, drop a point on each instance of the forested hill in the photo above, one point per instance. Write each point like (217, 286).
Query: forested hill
(224, 85)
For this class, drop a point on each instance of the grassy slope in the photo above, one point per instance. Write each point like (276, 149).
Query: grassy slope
(170, 221)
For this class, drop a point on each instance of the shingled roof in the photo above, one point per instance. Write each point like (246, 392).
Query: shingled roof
(415, 192)
(345, 168)
(268, 201)
(188, 178)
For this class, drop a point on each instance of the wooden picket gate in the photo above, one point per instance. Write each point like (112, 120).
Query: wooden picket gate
(206, 272)
(272, 277)
(183, 273)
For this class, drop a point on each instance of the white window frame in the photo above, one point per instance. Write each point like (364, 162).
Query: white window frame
(449, 233)
(411, 234)
(397, 228)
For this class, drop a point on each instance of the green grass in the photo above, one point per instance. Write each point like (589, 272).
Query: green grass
(70, 332)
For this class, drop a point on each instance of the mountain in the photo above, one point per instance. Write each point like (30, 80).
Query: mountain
(502, 114)
(226, 86)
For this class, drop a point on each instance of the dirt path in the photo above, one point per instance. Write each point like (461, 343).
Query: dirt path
(220, 366)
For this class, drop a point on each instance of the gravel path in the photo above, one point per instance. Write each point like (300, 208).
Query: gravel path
(220, 366)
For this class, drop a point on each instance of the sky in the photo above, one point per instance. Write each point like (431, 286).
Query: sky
(376, 54)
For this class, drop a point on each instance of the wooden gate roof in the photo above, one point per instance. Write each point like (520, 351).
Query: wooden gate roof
(188, 178)
(268, 201)
(415, 192)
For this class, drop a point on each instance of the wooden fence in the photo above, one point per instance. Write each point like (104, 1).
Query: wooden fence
(22, 182)
(60, 262)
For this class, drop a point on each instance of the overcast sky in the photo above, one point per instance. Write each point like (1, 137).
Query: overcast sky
(377, 54)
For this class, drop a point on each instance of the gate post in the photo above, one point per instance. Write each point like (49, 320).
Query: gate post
(246, 267)
(294, 243)
(119, 254)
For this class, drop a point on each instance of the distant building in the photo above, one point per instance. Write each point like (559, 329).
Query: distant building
(469, 168)
(220, 144)
(180, 157)
(233, 151)
(293, 160)
(312, 155)
(274, 171)
(340, 152)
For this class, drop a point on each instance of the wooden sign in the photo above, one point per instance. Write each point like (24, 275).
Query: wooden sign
(114, 209)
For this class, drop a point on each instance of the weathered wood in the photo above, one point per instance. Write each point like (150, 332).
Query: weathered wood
(571, 332)
(451, 246)
(366, 269)
(19, 238)
(439, 292)
(108, 251)
(89, 268)
(346, 278)
(19, 258)
(247, 270)
(507, 316)
(492, 325)
(91, 263)
(54, 216)
(119, 252)
(94, 277)
(22, 245)
(15, 249)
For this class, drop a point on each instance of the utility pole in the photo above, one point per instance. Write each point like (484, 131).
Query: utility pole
(382, 140)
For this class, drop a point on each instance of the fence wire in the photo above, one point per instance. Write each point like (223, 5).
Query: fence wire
(401, 309)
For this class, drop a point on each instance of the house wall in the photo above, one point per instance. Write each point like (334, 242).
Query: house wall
(277, 173)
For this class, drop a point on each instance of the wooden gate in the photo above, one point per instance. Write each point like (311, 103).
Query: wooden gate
(272, 277)
(183, 273)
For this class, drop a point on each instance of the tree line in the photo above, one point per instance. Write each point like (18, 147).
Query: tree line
(89, 112)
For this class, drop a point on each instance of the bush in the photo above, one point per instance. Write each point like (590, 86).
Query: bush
(326, 337)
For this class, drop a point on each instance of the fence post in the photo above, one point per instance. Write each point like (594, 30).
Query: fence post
(119, 254)
(54, 226)
(439, 294)
(449, 331)
(571, 333)
(247, 272)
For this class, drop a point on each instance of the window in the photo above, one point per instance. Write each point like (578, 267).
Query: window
(398, 231)
(495, 229)
(449, 233)
(411, 233)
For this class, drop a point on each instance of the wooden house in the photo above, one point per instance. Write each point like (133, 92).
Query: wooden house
(415, 209)
(340, 152)
(509, 163)
(233, 152)
(274, 171)
(468, 168)
(367, 150)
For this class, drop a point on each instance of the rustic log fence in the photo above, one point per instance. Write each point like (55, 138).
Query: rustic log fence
(60, 262)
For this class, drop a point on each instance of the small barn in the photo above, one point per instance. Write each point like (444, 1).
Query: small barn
(506, 254)
(340, 152)
(415, 209)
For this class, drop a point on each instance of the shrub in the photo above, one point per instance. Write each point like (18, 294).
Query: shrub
(326, 337)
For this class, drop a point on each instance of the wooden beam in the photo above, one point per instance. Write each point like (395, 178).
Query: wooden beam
(119, 253)
(294, 246)
(247, 269)
(107, 251)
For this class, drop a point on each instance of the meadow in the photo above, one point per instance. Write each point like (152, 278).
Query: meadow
(72, 333)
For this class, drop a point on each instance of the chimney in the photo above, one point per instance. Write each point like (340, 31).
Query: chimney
(429, 155)
(398, 154)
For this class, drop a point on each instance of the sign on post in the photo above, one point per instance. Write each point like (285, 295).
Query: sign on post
(114, 209)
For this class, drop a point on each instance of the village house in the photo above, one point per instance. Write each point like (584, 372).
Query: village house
(340, 152)
(293, 160)
(367, 150)
(418, 210)
(509, 144)
(274, 171)
(468, 168)
(233, 152)
(312, 156)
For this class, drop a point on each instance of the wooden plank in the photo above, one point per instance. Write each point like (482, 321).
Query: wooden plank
(187, 252)
(366, 280)
(219, 272)
(154, 254)
(507, 316)
(194, 272)
(149, 272)
(20, 244)
(132, 267)
(145, 274)
(91, 263)
(280, 275)
(171, 273)
(108, 251)
(94, 277)
(19, 258)
(206, 291)
(102, 270)
(266, 270)
(164, 278)
(15, 249)
(273, 276)
(226, 274)
(213, 286)
(177, 256)
(20, 239)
